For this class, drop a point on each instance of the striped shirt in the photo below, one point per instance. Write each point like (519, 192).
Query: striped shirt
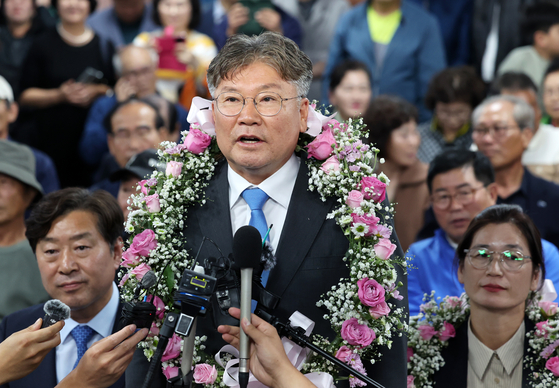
(495, 368)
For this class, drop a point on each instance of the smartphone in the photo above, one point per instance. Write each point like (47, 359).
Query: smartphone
(252, 27)
(90, 76)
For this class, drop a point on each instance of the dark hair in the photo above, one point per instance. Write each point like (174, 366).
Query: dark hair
(195, 16)
(539, 16)
(513, 81)
(505, 214)
(340, 71)
(92, 5)
(455, 84)
(110, 221)
(459, 157)
(159, 122)
(552, 68)
(166, 109)
(384, 115)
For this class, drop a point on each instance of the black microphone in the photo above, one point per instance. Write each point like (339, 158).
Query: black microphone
(139, 313)
(146, 283)
(55, 311)
(247, 250)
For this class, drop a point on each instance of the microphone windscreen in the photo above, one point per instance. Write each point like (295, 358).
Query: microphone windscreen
(149, 280)
(247, 247)
(54, 307)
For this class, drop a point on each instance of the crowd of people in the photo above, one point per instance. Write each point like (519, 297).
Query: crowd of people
(461, 98)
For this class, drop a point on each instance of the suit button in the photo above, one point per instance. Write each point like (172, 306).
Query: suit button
(497, 380)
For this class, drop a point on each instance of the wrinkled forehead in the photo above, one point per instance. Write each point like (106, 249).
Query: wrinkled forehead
(244, 70)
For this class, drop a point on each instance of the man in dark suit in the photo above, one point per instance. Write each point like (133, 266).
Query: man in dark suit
(271, 76)
(75, 235)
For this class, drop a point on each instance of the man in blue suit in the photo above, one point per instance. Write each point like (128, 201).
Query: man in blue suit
(75, 235)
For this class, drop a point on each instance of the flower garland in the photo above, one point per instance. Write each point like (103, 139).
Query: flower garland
(360, 308)
(430, 331)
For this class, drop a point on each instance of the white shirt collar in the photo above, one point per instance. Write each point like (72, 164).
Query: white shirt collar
(510, 353)
(102, 323)
(274, 186)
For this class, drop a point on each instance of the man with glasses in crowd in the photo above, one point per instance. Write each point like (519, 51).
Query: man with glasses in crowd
(462, 184)
(503, 128)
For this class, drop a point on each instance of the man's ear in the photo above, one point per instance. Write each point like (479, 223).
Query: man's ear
(304, 112)
(526, 136)
(460, 274)
(117, 252)
(111, 144)
(492, 190)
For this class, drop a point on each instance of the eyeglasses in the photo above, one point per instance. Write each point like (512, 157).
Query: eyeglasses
(266, 103)
(464, 196)
(497, 131)
(124, 136)
(481, 258)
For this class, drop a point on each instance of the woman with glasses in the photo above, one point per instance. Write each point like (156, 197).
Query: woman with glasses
(452, 95)
(392, 125)
(184, 53)
(500, 263)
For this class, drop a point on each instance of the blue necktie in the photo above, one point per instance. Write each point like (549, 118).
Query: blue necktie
(256, 198)
(82, 335)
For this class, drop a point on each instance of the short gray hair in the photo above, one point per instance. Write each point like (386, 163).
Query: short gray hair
(117, 61)
(522, 112)
(270, 48)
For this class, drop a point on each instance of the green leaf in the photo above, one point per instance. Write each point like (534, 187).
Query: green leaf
(169, 277)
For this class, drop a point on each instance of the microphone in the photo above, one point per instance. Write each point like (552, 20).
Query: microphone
(247, 250)
(141, 314)
(55, 311)
(146, 283)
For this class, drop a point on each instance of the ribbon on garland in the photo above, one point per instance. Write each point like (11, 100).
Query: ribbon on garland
(201, 112)
(295, 354)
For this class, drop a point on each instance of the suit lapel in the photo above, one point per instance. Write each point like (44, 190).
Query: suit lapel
(454, 373)
(305, 217)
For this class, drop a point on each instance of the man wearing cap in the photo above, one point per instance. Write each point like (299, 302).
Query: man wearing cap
(19, 273)
(139, 166)
(45, 172)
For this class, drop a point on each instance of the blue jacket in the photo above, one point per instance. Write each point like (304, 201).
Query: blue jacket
(414, 55)
(291, 29)
(93, 144)
(433, 269)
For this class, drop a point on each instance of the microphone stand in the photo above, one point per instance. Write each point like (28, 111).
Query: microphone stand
(298, 336)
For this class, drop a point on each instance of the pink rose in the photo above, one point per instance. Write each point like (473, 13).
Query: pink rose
(123, 280)
(370, 221)
(343, 353)
(553, 365)
(321, 147)
(152, 203)
(331, 164)
(173, 349)
(549, 308)
(372, 188)
(384, 248)
(143, 187)
(129, 258)
(370, 292)
(410, 382)
(140, 271)
(197, 141)
(354, 199)
(379, 310)
(356, 334)
(171, 371)
(204, 374)
(447, 332)
(144, 243)
(410, 353)
(173, 168)
(159, 306)
(541, 329)
(427, 332)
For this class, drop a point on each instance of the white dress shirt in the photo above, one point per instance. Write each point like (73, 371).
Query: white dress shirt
(495, 368)
(102, 323)
(279, 188)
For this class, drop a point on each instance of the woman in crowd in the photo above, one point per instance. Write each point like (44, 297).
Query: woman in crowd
(184, 53)
(499, 262)
(452, 95)
(350, 89)
(392, 125)
(64, 73)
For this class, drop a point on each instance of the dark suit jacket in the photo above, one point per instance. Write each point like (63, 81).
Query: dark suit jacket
(45, 374)
(454, 373)
(309, 262)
